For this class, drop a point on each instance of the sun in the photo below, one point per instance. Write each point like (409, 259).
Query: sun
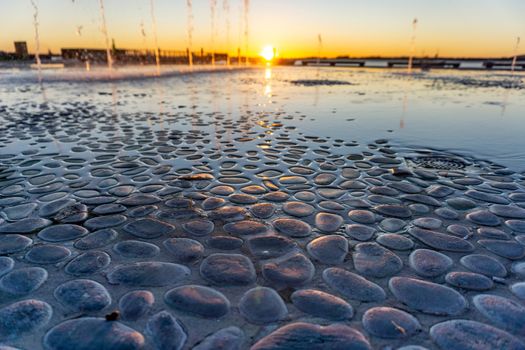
(268, 53)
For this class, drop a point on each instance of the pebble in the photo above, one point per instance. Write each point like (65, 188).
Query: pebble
(23, 281)
(298, 209)
(136, 249)
(184, 250)
(502, 312)
(370, 259)
(101, 222)
(199, 227)
(328, 222)
(267, 247)
(427, 297)
(61, 233)
(362, 216)
(393, 210)
(198, 301)
(6, 265)
(83, 295)
(23, 317)
(392, 224)
(441, 241)
(165, 331)
(484, 264)
(47, 254)
(360, 232)
(88, 263)
(395, 241)
(331, 249)
(263, 210)
(13, 243)
(321, 304)
(290, 270)
(352, 286)
(483, 217)
(472, 335)
(300, 335)
(25, 226)
(245, 227)
(148, 274)
(135, 304)
(229, 338)
(292, 227)
(469, 280)
(429, 263)
(96, 239)
(262, 305)
(387, 322)
(87, 333)
(507, 249)
(228, 269)
(148, 228)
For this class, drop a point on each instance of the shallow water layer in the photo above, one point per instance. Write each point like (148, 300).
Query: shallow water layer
(241, 209)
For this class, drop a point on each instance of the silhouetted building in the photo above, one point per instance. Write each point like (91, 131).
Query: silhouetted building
(21, 49)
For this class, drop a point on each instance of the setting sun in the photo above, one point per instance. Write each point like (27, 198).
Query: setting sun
(268, 53)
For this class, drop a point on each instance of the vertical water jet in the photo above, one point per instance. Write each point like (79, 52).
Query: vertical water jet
(246, 11)
(189, 9)
(104, 30)
(155, 38)
(37, 40)
(515, 56)
(412, 46)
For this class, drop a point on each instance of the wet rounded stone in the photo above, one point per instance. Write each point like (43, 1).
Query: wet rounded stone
(88, 333)
(392, 224)
(460, 203)
(184, 250)
(135, 304)
(362, 216)
(429, 263)
(518, 289)
(428, 223)
(148, 274)
(331, 249)
(447, 213)
(25, 226)
(483, 217)
(393, 210)
(19, 212)
(136, 249)
(228, 269)
(6, 265)
(305, 196)
(101, 222)
(289, 270)
(198, 301)
(322, 304)
(370, 259)
(110, 208)
(83, 295)
(427, 297)
(245, 227)
(47, 254)
(88, 263)
(516, 226)
(166, 332)
(262, 305)
(484, 264)
(441, 241)
(502, 312)
(199, 227)
(23, 281)
(292, 227)
(22, 317)
(148, 228)
(211, 203)
(507, 249)
(229, 213)
(263, 210)
(139, 199)
(395, 241)
(230, 338)
(96, 239)
(327, 222)
(300, 335)
(222, 190)
(352, 286)
(472, 335)
(298, 209)
(360, 232)
(387, 322)
(267, 247)
(13, 243)
(61, 233)
(469, 280)
(225, 242)
(507, 211)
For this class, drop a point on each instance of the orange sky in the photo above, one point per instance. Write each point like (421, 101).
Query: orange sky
(348, 27)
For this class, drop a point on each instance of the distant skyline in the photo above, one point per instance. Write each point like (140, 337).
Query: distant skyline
(464, 28)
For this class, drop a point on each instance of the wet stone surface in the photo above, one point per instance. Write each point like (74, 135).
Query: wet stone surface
(196, 229)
